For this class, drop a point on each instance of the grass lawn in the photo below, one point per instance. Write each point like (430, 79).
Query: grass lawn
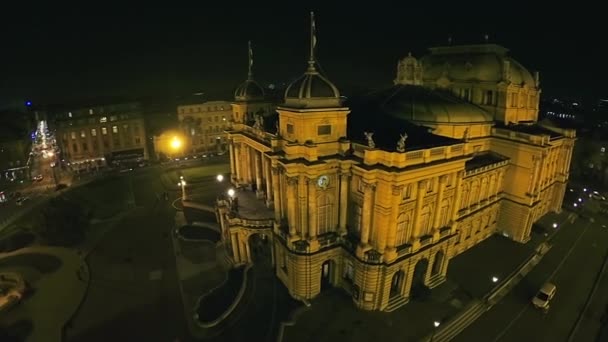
(106, 197)
(199, 173)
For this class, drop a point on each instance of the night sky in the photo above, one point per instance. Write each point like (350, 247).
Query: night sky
(57, 54)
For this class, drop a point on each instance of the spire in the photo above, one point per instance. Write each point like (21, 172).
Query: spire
(250, 73)
(313, 42)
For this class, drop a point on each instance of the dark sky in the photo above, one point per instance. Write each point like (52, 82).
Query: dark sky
(56, 54)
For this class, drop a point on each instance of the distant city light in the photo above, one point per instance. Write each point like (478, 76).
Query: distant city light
(436, 324)
(494, 279)
(575, 205)
(554, 225)
(28, 103)
(580, 199)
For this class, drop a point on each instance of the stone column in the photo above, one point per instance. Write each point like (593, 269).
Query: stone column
(292, 183)
(276, 194)
(243, 250)
(235, 247)
(343, 203)
(248, 251)
(238, 175)
(421, 191)
(232, 165)
(268, 181)
(248, 163)
(458, 194)
(442, 180)
(366, 217)
(258, 174)
(303, 201)
(312, 209)
(391, 236)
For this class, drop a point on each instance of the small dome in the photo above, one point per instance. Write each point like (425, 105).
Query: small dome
(248, 91)
(312, 90)
(423, 106)
(484, 63)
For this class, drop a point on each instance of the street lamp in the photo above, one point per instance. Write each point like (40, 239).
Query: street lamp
(554, 225)
(219, 178)
(494, 279)
(231, 193)
(182, 183)
(436, 324)
(575, 204)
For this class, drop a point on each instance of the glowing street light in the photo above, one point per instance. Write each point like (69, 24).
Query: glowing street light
(176, 143)
(554, 225)
(220, 178)
(580, 199)
(182, 183)
(436, 324)
(575, 204)
(494, 279)
(231, 193)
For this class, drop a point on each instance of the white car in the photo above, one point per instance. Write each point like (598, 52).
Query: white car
(544, 296)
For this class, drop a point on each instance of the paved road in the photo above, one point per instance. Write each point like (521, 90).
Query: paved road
(572, 264)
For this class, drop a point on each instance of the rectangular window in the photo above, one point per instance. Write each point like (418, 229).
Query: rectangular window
(85, 147)
(69, 114)
(114, 129)
(358, 219)
(103, 119)
(466, 94)
(489, 97)
(91, 111)
(289, 129)
(104, 130)
(324, 130)
(513, 99)
(83, 134)
(75, 147)
(93, 132)
(407, 192)
(429, 185)
(137, 140)
(73, 134)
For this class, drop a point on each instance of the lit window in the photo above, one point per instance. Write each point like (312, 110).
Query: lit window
(603, 149)
(83, 134)
(93, 132)
(73, 134)
(91, 111)
(114, 129)
(103, 119)
(104, 130)
(324, 130)
(70, 114)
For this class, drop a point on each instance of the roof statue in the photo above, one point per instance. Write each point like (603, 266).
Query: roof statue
(259, 122)
(401, 142)
(370, 140)
(465, 135)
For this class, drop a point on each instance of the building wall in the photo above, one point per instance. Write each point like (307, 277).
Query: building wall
(97, 133)
(204, 125)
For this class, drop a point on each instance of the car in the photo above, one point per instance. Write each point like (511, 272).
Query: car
(542, 299)
(20, 200)
(38, 178)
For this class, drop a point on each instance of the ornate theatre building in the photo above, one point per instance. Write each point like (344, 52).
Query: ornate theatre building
(376, 197)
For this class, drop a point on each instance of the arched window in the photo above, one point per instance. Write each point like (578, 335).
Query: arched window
(444, 217)
(425, 218)
(323, 214)
(474, 193)
(464, 201)
(483, 193)
(403, 229)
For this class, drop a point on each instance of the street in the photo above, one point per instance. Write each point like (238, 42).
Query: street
(577, 255)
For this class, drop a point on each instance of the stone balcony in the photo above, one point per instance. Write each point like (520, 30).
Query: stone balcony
(252, 212)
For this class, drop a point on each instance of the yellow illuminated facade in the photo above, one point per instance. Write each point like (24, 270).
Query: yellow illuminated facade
(376, 198)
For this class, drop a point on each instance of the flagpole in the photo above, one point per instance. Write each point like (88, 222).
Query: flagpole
(313, 39)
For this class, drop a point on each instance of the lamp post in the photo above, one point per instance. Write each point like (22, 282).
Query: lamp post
(220, 178)
(182, 183)
(436, 324)
(494, 279)
(231, 198)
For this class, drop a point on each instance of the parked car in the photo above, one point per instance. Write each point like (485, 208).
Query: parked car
(544, 296)
(20, 200)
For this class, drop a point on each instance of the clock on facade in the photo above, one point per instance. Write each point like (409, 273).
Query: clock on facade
(323, 181)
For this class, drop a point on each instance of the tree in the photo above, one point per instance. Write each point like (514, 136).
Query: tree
(64, 222)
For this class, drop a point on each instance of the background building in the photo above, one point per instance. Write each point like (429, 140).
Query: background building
(91, 136)
(16, 130)
(204, 125)
(376, 197)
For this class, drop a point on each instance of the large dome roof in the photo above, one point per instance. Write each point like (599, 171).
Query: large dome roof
(312, 90)
(422, 105)
(249, 90)
(485, 63)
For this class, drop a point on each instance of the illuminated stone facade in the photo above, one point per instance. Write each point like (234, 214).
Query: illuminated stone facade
(377, 197)
(204, 125)
(90, 136)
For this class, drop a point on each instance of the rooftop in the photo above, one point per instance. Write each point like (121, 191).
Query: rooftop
(533, 129)
(484, 159)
